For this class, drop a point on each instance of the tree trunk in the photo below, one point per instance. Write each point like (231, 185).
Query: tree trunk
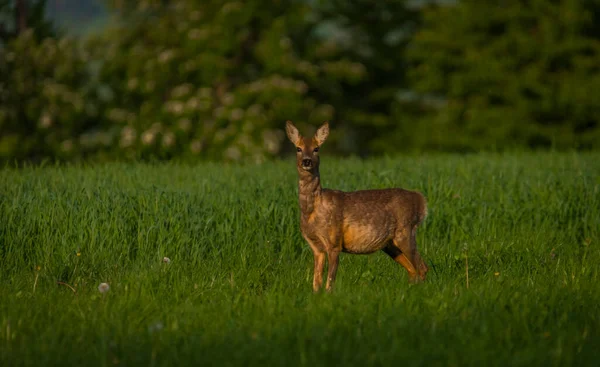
(21, 16)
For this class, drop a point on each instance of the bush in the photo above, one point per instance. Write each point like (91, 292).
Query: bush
(215, 79)
(44, 110)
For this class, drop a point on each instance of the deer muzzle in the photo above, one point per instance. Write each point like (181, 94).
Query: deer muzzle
(307, 163)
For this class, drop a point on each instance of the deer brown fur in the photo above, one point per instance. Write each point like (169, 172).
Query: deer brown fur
(359, 222)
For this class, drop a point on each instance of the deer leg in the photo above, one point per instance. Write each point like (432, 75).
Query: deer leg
(333, 257)
(421, 266)
(405, 254)
(395, 253)
(318, 271)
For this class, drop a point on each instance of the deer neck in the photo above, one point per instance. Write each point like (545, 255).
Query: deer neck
(309, 191)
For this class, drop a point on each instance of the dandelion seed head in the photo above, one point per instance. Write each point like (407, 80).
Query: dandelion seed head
(103, 287)
(166, 260)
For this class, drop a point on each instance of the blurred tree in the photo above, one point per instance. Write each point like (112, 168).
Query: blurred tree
(42, 86)
(215, 79)
(511, 73)
(378, 110)
(43, 104)
(16, 16)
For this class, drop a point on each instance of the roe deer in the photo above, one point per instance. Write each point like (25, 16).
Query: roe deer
(359, 222)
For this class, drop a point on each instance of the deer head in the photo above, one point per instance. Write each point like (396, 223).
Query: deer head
(307, 156)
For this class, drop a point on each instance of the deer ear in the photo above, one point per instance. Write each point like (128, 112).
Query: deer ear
(322, 133)
(292, 133)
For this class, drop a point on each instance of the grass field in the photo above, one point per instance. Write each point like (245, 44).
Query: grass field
(238, 288)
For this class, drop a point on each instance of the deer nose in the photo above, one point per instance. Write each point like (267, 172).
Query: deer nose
(307, 162)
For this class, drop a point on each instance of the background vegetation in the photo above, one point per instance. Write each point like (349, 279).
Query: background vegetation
(216, 80)
(238, 291)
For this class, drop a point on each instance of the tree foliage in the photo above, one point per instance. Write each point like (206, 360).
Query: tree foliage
(43, 81)
(512, 73)
(216, 80)
(377, 112)
(17, 16)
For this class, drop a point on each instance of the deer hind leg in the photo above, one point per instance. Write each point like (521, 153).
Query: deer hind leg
(318, 270)
(395, 253)
(404, 251)
(422, 268)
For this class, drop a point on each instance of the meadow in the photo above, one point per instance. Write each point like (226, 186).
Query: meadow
(511, 241)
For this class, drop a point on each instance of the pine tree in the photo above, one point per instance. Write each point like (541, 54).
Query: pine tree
(511, 73)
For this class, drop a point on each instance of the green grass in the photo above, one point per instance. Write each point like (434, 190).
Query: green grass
(238, 288)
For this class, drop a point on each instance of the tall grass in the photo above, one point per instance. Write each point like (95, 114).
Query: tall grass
(237, 289)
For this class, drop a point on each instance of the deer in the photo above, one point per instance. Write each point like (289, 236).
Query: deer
(356, 222)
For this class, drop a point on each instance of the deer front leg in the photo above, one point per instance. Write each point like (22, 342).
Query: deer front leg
(333, 257)
(318, 271)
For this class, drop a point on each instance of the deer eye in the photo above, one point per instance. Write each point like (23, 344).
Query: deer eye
(299, 150)
(316, 149)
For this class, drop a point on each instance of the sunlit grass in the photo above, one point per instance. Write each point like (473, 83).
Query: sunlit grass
(205, 265)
